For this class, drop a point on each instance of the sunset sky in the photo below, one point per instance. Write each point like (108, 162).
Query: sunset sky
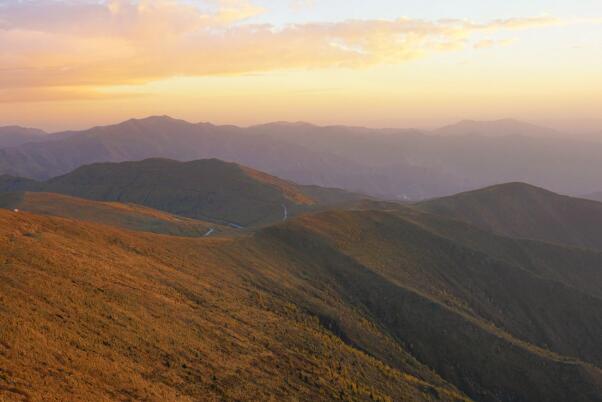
(77, 63)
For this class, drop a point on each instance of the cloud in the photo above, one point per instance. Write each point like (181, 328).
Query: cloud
(126, 19)
(53, 43)
(300, 5)
(491, 43)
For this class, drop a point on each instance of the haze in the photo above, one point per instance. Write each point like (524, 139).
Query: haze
(75, 64)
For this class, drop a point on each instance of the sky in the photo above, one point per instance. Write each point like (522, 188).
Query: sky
(379, 63)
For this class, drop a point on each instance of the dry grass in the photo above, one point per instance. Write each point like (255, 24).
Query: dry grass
(127, 216)
(93, 313)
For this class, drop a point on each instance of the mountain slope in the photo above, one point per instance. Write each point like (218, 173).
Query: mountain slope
(90, 312)
(12, 136)
(521, 210)
(419, 286)
(13, 183)
(207, 189)
(127, 216)
(300, 310)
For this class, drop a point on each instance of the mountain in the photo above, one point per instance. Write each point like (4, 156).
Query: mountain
(497, 128)
(388, 163)
(12, 136)
(209, 189)
(525, 211)
(113, 315)
(161, 136)
(127, 216)
(594, 196)
(374, 302)
(12, 183)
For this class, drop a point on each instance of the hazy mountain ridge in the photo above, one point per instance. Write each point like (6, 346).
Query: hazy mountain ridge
(389, 163)
(594, 196)
(497, 128)
(12, 136)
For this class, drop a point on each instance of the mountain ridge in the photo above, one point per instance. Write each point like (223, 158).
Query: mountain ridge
(525, 211)
(12, 136)
(388, 163)
(208, 189)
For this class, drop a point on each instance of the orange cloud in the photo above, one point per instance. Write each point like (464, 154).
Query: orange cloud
(46, 43)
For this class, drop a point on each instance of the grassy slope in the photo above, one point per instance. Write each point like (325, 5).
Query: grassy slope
(127, 216)
(494, 329)
(356, 304)
(91, 312)
(572, 266)
(521, 210)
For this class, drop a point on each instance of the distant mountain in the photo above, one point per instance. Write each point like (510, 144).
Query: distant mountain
(524, 211)
(12, 136)
(164, 137)
(15, 184)
(594, 196)
(388, 163)
(209, 189)
(465, 161)
(376, 302)
(127, 216)
(497, 128)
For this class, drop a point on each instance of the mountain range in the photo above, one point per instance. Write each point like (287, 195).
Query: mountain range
(387, 163)
(13, 136)
(490, 295)
(135, 263)
(497, 128)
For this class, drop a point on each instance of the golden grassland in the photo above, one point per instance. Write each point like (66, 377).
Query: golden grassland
(378, 302)
(95, 313)
(127, 216)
